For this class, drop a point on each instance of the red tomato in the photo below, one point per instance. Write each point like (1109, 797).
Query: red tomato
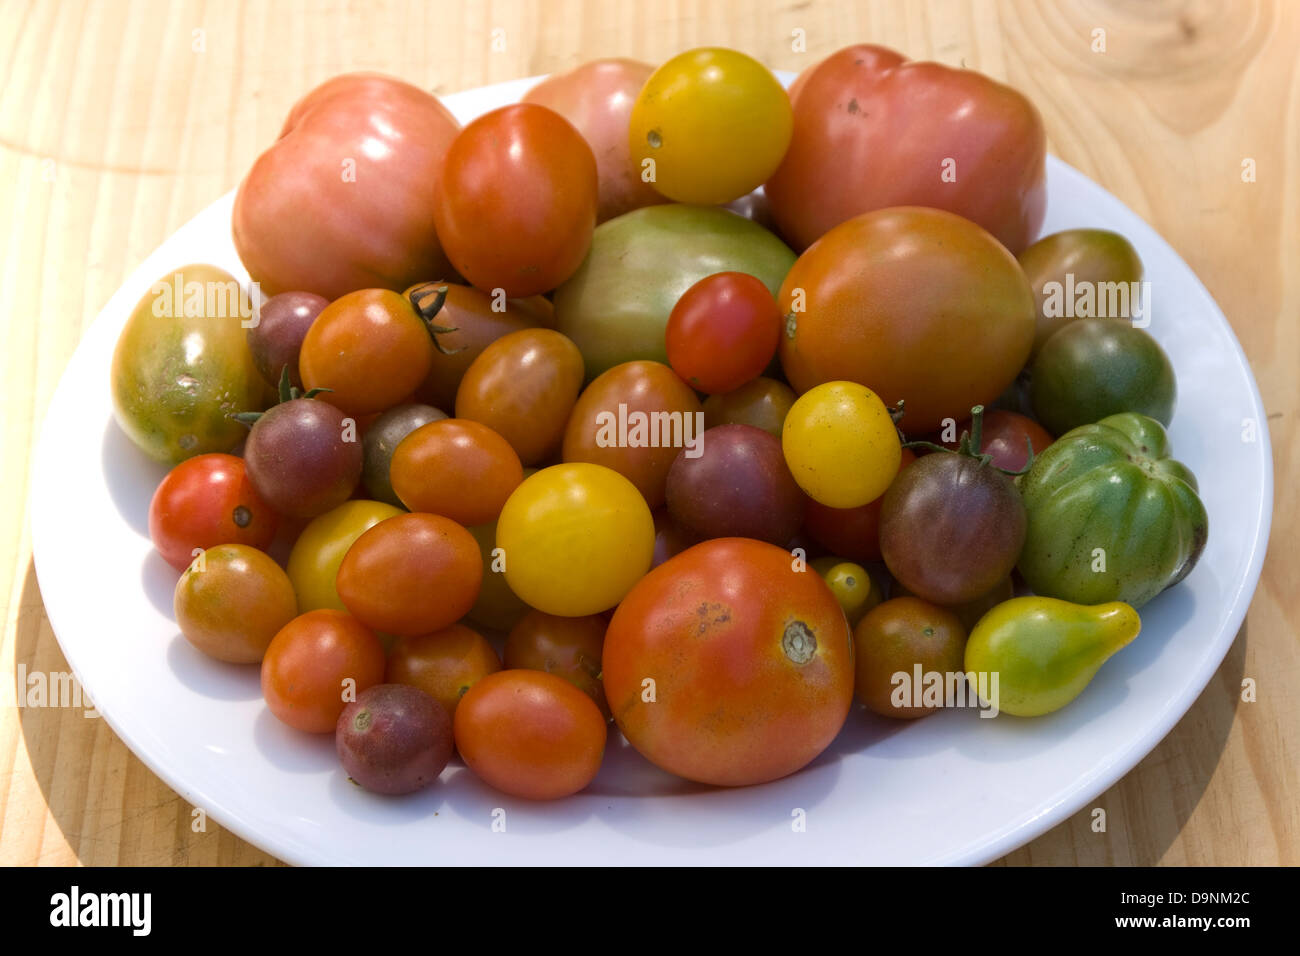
(317, 664)
(723, 332)
(872, 129)
(597, 98)
(343, 199)
(516, 203)
(530, 734)
(750, 664)
(852, 533)
(1006, 436)
(205, 501)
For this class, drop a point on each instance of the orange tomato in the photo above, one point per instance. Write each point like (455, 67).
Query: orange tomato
(456, 468)
(444, 664)
(316, 664)
(568, 647)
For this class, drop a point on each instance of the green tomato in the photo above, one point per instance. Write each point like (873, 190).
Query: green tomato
(182, 366)
(1111, 517)
(1079, 259)
(616, 306)
(1098, 367)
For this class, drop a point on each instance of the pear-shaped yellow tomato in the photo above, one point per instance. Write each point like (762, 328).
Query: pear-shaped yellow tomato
(318, 552)
(1035, 654)
(841, 445)
(575, 538)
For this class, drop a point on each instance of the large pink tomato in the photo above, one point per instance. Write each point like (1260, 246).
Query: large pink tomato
(343, 199)
(873, 129)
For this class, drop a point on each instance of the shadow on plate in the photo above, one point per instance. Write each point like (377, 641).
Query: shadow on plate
(211, 677)
(130, 476)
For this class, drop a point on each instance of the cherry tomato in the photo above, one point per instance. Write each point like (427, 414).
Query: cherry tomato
(567, 647)
(1006, 436)
(316, 665)
(457, 468)
(645, 392)
(497, 607)
(205, 501)
(895, 638)
(412, 574)
(670, 538)
(314, 561)
(444, 664)
(530, 734)
(723, 332)
(232, 601)
(841, 445)
(575, 537)
(762, 402)
(850, 533)
(523, 386)
(968, 612)
(715, 122)
(516, 203)
(851, 584)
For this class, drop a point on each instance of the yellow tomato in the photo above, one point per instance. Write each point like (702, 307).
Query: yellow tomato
(841, 445)
(715, 122)
(318, 552)
(852, 586)
(575, 537)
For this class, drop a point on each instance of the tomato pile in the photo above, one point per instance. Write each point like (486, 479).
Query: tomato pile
(555, 421)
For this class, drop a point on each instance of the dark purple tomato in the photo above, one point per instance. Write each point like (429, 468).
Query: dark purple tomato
(277, 338)
(951, 527)
(394, 739)
(670, 540)
(303, 457)
(738, 487)
(382, 439)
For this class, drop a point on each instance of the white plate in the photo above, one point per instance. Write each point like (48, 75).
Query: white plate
(949, 789)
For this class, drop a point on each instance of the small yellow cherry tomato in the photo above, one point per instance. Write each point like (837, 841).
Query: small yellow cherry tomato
(852, 586)
(841, 445)
(575, 538)
(318, 552)
(716, 124)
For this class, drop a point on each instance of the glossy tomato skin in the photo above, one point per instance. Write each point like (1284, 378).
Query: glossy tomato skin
(233, 604)
(916, 304)
(458, 468)
(752, 663)
(516, 203)
(530, 734)
(205, 501)
(277, 338)
(358, 158)
(307, 663)
(381, 440)
(567, 647)
(304, 457)
(637, 388)
(321, 546)
(895, 637)
(597, 99)
(523, 386)
(852, 533)
(723, 332)
(872, 129)
(444, 664)
(762, 402)
(393, 739)
(386, 578)
(1007, 436)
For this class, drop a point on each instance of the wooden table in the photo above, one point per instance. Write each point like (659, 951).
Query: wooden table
(120, 120)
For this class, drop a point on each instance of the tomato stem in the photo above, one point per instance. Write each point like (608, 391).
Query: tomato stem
(970, 444)
(427, 310)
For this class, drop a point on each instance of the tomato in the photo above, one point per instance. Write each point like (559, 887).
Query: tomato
(303, 457)
(634, 419)
(854, 589)
(896, 638)
(387, 577)
(723, 332)
(516, 202)
(576, 538)
(457, 468)
(616, 306)
(1007, 436)
(206, 501)
(968, 612)
(841, 445)
(233, 602)
(873, 130)
(761, 402)
(851, 533)
(315, 665)
(670, 539)
(497, 606)
(182, 364)
(750, 664)
(597, 98)
(474, 316)
(343, 199)
(1093, 368)
(917, 305)
(444, 664)
(381, 439)
(530, 734)
(370, 348)
(276, 339)
(314, 561)
(715, 122)
(524, 386)
(567, 647)
(1093, 261)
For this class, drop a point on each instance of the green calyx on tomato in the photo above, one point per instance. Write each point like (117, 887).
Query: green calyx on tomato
(1111, 516)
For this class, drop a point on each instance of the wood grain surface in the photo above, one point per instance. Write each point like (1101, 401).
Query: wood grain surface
(120, 120)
